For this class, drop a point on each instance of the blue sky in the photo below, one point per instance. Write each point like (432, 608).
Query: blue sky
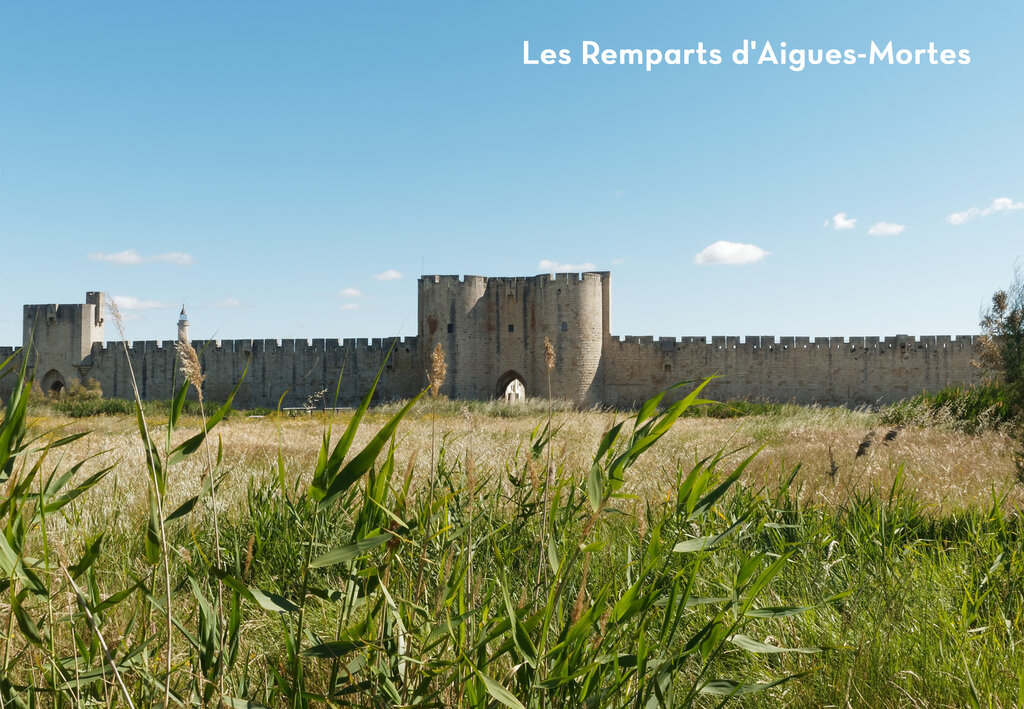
(272, 164)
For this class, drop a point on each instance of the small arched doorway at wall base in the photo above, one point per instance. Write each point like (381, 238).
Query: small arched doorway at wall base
(53, 382)
(511, 387)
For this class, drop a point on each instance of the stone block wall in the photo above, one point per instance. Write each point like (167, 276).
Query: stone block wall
(294, 369)
(493, 330)
(61, 336)
(831, 370)
(9, 372)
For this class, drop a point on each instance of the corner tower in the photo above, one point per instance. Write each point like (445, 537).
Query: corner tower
(493, 331)
(59, 340)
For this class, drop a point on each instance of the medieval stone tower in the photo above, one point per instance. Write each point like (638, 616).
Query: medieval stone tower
(62, 337)
(493, 330)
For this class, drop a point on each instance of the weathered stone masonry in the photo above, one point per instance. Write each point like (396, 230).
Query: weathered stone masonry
(492, 331)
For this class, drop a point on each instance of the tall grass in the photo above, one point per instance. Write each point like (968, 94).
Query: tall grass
(971, 408)
(364, 588)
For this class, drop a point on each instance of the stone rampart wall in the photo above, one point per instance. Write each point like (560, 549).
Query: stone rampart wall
(831, 370)
(493, 329)
(8, 374)
(297, 369)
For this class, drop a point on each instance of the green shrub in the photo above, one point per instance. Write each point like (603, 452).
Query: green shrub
(88, 405)
(971, 409)
(89, 389)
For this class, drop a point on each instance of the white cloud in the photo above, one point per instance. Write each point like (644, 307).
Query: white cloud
(999, 204)
(843, 221)
(127, 302)
(729, 253)
(1003, 204)
(131, 257)
(619, 261)
(350, 293)
(228, 304)
(388, 275)
(556, 267)
(619, 193)
(961, 218)
(886, 229)
(349, 306)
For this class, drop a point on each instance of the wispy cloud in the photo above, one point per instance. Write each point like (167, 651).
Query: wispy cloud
(388, 275)
(729, 253)
(349, 306)
(128, 302)
(886, 229)
(131, 257)
(618, 261)
(557, 267)
(843, 221)
(350, 293)
(999, 204)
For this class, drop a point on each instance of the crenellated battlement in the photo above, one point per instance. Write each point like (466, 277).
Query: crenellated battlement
(540, 280)
(318, 345)
(772, 342)
(450, 281)
(493, 330)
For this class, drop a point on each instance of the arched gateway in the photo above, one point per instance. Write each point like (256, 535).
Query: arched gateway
(511, 387)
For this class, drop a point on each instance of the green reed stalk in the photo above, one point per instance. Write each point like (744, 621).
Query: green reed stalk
(158, 495)
(193, 372)
(99, 636)
(549, 361)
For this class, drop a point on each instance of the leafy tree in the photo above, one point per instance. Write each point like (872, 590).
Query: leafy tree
(1002, 353)
(1002, 343)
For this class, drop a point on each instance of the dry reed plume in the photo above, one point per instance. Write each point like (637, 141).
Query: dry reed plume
(438, 369)
(190, 366)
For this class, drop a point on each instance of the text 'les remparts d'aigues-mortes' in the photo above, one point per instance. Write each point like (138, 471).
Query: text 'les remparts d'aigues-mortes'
(751, 52)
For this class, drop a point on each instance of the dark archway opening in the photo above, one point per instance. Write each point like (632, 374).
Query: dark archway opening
(53, 383)
(511, 387)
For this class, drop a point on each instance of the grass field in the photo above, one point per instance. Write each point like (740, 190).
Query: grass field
(946, 470)
(480, 555)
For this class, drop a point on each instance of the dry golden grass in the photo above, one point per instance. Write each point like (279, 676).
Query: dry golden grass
(946, 469)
